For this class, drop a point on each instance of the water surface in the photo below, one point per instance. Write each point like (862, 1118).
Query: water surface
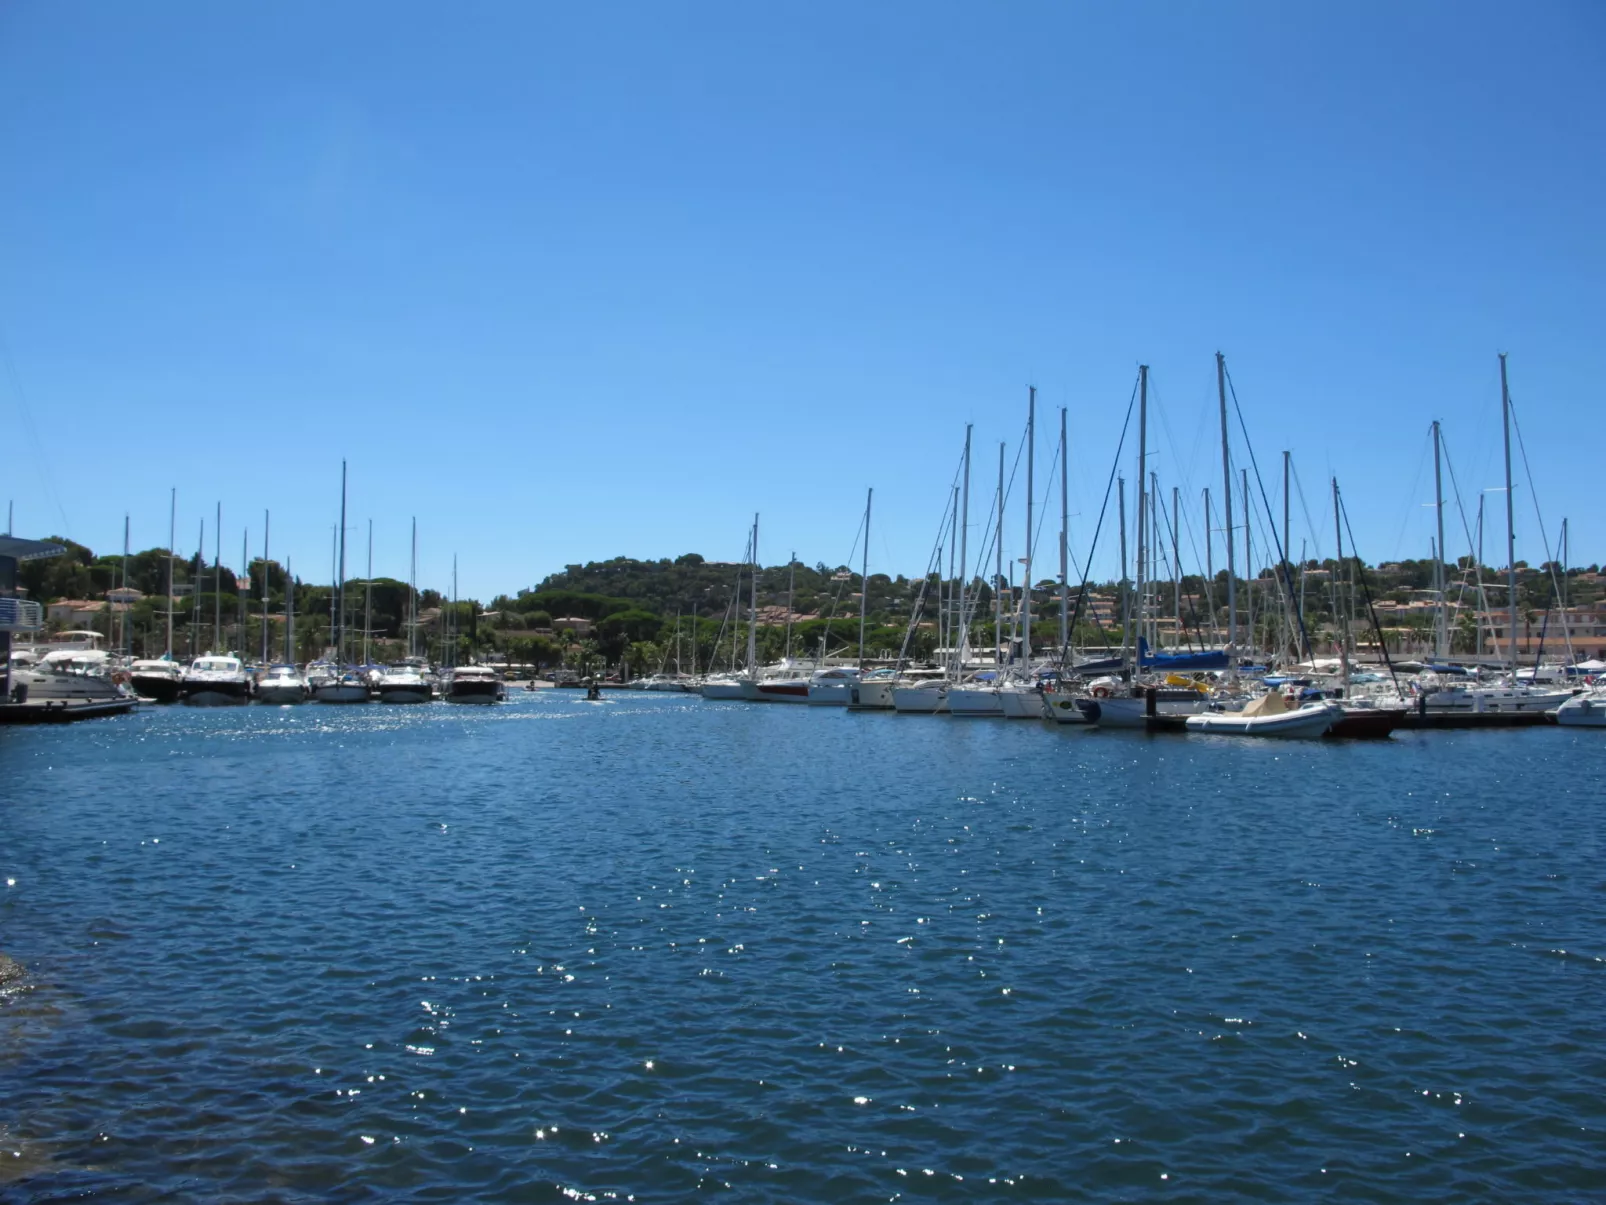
(661, 949)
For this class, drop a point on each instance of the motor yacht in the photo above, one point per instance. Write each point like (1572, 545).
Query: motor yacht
(215, 680)
(349, 686)
(64, 675)
(157, 680)
(1587, 710)
(280, 685)
(873, 691)
(832, 687)
(473, 684)
(403, 684)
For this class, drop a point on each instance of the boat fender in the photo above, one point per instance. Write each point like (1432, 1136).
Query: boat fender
(1101, 692)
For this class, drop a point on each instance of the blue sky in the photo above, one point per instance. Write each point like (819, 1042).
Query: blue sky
(569, 282)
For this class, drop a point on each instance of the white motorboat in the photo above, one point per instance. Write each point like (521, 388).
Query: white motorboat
(473, 684)
(64, 675)
(215, 680)
(1124, 706)
(156, 680)
(403, 684)
(1270, 715)
(1438, 695)
(1587, 710)
(777, 690)
(281, 685)
(832, 687)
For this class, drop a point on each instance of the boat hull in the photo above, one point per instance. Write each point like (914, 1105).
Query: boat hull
(830, 694)
(340, 692)
(1304, 724)
(158, 688)
(215, 694)
(1066, 709)
(919, 701)
(870, 696)
(782, 692)
(1022, 704)
(723, 689)
(404, 694)
(281, 694)
(974, 701)
(474, 692)
(1583, 711)
(1367, 723)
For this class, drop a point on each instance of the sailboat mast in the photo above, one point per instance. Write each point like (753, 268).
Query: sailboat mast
(1287, 577)
(998, 571)
(1226, 518)
(412, 597)
(791, 598)
(172, 526)
(1065, 535)
(1249, 571)
(1210, 563)
(289, 614)
(1511, 520)
(195, 591)
(1441, 643)
(1176, 568)
(245, 572)
(1339, 613)
(217, 581)
(964, 564)
(1126, 591)
(1026, 582)
(368, 594)
(340, 623)
(123, 641)
(752, 610)
(266, 532)
(1143, 497)
(864, 574)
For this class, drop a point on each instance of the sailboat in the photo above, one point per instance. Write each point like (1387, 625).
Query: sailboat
(343, 684)
(833, 686)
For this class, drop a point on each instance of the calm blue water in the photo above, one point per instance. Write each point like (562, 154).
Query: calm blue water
(661, 949)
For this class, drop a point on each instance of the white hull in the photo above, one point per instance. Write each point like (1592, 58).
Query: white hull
(723, 688)
(974, 701)
(1478, 699)
(1583, 711)
(917, 700)
(1064, 709)
(871, 696)
(1125, 711)
(1022, 704)
(1306, 722)
(781, 692)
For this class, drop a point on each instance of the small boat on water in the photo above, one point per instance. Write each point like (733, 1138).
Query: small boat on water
(473, 684)
(403, 684)
(873, 691)
(64, 675)
(156, 680)
(1269, 716)
(832, 687)
(281, 685)
(215, 680)
(1587, 710)
(721, 686)
(348, 686)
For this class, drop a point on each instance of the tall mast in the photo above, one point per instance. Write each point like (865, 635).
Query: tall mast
(1441, 642)
(1511, 519)
(217, 581)
(964, 565)
(1143, 499)
(266, 531)
(752, 610)
(172, 524)
(791, 597)
(1210, 563)
(1226, 518)
(1176, 568)
(334, 584)
(195, 591)
(245, 572)
(998, 573)
(412, 597)
(1339, 612)
(1249, 569)
(289, 614)
(340, 622)
(864, 574)
(123, 642)
(950, 613)
(453, 661)
(1126, 589)
(1065, 535)
(1288, 583)
(368, 594)
(1026, 579)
